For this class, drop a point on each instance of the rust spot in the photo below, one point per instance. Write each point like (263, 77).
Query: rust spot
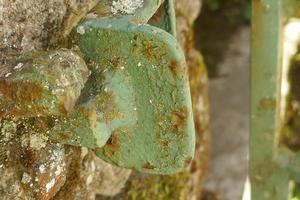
(148, 166)
(164, 143)
(148, 48)
(174, 67)
(179, 118)
(112, 145)
(2, 113)
(43, 124)
(267, 103)
(188, 161)
(63, 110)
(62, 136)
(158, 16)
(21, 91)
(30, 158)
(44, 179)
(151, 51)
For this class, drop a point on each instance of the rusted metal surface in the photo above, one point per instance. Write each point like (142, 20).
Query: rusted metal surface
(153, 70)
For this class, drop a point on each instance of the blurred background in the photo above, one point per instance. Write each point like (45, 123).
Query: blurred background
(222, 34)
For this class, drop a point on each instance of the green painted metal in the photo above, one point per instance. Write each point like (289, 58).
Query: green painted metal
(272, 164)
(151, 64)
(143, 70)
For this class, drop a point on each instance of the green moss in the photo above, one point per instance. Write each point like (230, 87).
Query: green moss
(291, 128)
(159, 187)
(296, 192)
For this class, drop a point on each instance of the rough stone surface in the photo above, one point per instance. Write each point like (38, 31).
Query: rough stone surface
(35, 168)
(27, 25)
(42, 83)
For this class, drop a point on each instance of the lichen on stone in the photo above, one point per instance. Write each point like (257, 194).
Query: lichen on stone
(126, 6)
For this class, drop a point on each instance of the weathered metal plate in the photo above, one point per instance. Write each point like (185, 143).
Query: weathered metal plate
(144, 71)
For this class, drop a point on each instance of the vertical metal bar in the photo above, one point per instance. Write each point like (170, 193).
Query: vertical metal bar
(165, 17)
(171, 18)
(268, 179)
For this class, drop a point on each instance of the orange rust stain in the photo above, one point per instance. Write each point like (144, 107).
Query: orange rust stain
(112, 145)
(174, 67)
(62, 136)
(24, 111)
(44, 179)
(188, 161)
(148, 166)
(164, 143)
(156, 18)
(150, 50)
(30, 158)
(147, 48)
(267, 103)
(179, 118)
(21, 91)
(257, 21)
(42, 124)
(193, 167)
(2, 113)
(86, 112)
(62, 109)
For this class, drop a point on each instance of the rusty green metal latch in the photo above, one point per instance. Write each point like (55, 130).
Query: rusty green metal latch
(130, 103)
(273, 165)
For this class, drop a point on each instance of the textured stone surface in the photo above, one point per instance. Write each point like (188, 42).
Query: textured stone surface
(42, 83)
(27, 25)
